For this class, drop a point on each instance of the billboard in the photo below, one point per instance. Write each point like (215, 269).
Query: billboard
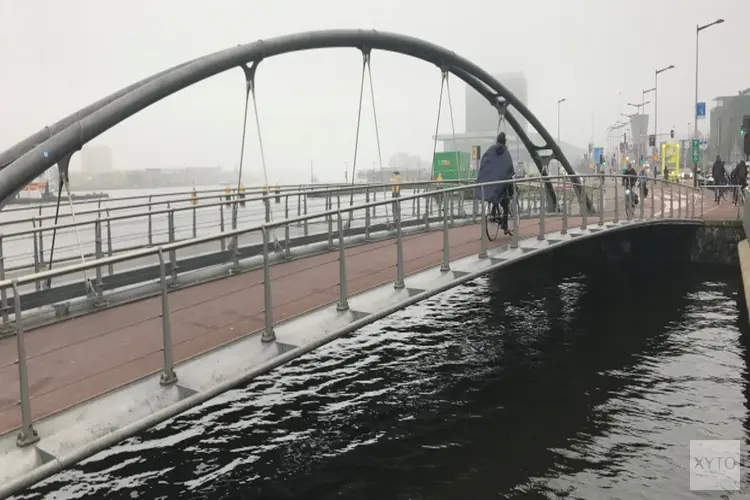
(481, 118)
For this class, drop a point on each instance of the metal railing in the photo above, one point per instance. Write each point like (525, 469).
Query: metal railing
(674, 201)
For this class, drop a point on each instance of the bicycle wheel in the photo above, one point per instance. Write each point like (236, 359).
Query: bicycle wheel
(492, 227)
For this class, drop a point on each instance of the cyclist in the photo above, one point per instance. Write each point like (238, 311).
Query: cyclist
(739, 180)
(496, 165)
(630, 180)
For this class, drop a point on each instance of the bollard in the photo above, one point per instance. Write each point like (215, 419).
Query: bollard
(399, 284)
(542, 209)
(3, 290)
(27, 435)
(172, 251)
(343, 304)
(445, 266)
(483, 226)
(150, 232)
(564, 228)
(168, 375)
(268, 334)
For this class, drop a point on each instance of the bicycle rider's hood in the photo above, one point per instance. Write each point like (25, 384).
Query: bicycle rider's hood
(496, 165)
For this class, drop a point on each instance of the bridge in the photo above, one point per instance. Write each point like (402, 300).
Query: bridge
(132, 335)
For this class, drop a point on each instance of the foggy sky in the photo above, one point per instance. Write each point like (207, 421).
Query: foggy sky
(57, 56)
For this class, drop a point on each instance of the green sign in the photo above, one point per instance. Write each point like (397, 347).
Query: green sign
(696, 150)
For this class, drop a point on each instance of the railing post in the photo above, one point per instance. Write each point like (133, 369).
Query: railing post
(671, 201)
(343, 304)
(452, 199)
(679, 201)
(602, 180)
(445, 266)
(168, 375)
(37, 284)
(692, 203)
(3, 290)
(583, 205)
(268, 333)
(640, 208)
(564, 228)
(110, 249)
(287, 243)
(702, 196)
(299, 207)
(267, 202)
(150, 231)
(304, 206)
(542, 208)
(399, 284)
(483, 226)
(195, 222)
(653, 201)
(98, 254)
(27, 435)
(172, 251)
(663, 203)
(616, 217)
(367, 215)
(514, 213)
(223, 241)
(41, 244)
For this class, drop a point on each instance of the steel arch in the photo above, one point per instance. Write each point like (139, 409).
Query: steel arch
(117, 107)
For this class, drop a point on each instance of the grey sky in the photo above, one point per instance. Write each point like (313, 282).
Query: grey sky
(58, 56)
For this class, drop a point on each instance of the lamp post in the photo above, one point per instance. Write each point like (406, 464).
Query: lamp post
(656, 102)
(559, 144)
(698, 29)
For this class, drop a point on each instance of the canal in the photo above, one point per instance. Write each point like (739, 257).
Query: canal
(525, 384)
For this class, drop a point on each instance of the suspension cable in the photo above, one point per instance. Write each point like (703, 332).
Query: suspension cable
(450, 105)
(242, 148)
(54, 230)
(262, 156)
(365, 63)
(437, 124)
(78, 234)
(377, 135)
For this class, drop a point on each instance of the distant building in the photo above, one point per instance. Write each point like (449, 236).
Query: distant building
(481, 117)
(96, 159)
(725, 123)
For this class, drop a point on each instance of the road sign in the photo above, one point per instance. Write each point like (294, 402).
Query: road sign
(652, 140)
(598, 155)
(696, 150)
(704, 145)
(700, 110)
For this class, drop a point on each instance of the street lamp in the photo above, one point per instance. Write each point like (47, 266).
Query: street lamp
(656, 100)
(559, 144)
(698, 29)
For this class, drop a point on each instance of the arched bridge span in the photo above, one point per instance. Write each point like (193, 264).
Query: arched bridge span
(28, 159)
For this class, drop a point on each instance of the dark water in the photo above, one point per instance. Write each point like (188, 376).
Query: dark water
(521, 385)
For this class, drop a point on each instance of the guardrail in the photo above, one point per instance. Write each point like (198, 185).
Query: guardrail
(601, 185)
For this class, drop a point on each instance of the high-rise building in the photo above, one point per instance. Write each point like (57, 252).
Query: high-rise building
(481, 117)
(96, 159)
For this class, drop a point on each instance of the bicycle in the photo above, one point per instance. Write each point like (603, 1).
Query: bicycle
(494, 223)
(630, 202)
(738, 195)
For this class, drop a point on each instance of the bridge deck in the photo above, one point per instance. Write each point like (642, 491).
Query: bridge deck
(81, 358)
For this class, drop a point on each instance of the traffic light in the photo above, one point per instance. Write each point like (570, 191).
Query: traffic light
(671, 134)
(746, 144)
(745, 124)
(652, 140)
(640, 162)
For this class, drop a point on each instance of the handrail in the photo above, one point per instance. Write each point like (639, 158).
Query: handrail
(155, 250)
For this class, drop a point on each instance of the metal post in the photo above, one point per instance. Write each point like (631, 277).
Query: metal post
(168, 376)
(98, 255)
(399, 284)
(330, 228)
(582, 205)
(564, 228)
(223, 241)
(267, 202)
(702, 196)
(37, 284)
(671, 201)
(367, 215)
(172, 251)
(445, 266)
(653, 201)
(268, 333)
(663, 203)
(287, 243)
(542, 209)
(41, 243)
(195, 222)
(343, 304)
(27, 434)
(483, 226)
(150, 231)
(3, 290)
(679, 201)
(110, 250)
(304, 206)
(602, 179)
(640, 208)
(616, 217)
(514, 214)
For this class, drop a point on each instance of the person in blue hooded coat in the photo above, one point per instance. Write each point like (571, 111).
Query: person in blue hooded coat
(497, 165)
